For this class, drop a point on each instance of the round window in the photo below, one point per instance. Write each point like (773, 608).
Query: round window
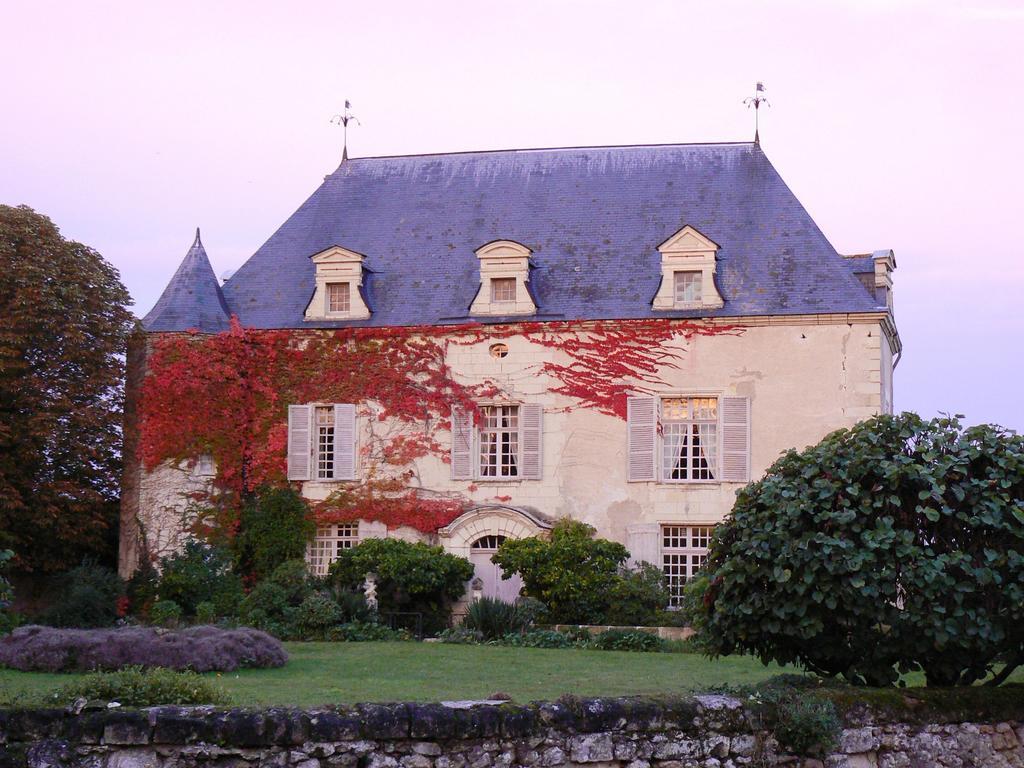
(499, 351)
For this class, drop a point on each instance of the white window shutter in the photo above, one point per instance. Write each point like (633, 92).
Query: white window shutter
(531, 430)
(462, 445)
(736, 439)
(344, 441)
(300, 444)
(642, 438)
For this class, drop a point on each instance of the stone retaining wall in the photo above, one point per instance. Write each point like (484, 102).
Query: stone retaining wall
(703, 732)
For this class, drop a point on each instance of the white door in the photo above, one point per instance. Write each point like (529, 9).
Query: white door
(490, 573)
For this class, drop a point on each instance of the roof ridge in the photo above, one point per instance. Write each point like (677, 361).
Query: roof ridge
(517, 150)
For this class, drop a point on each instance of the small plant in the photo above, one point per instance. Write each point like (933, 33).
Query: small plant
(626, 640)
(366, 632)
(316, 615)
(138, 687)
(494, 618)
(461, 635)
(206, 613)
(165, 613)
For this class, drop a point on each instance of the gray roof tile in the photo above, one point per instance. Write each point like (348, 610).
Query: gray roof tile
(593, 218)
(192, 300)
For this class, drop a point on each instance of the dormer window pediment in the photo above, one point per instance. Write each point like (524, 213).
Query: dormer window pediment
(339, 278)
(504, 275)
(688, 262)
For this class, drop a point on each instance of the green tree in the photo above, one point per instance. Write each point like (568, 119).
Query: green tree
(275, 527)
(572, 573)
(64, 323)
(894, 546)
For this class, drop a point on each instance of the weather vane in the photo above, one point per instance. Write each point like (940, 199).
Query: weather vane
(343, 120)
(756, 101)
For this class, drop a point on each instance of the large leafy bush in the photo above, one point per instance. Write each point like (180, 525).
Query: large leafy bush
(893, 546)
(572, 573)
(88, 598)
(200, 573)
(410, 577)
(275, 527)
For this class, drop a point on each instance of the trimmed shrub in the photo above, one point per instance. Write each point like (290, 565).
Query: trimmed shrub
(200, 573)
(274, 528)
(206, 613)
(494, 618)
(316, 614)
(573, 574)
(88, 598)
(267, 608)
(166, 613)
(539, 638)
(138, 687)
(410, 577)
(201, 649)
(626, 640)
(886, 548)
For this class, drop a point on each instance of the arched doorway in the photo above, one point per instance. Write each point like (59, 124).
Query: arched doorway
(490, 574)
(476, 535)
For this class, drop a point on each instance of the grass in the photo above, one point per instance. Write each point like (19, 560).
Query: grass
(345, 673)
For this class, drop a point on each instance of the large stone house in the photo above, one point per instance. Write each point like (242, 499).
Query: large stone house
(705, 234)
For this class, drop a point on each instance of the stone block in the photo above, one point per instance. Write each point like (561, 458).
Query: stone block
(854, 740)
(332, 725)
(416, 761)
(126, 727)
(134, 758)
(552, 756)
(182, 725)
(384, 721)
(592, 748)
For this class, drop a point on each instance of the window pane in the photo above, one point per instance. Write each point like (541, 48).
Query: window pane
(338, 297)
(324, 442)
(503, 289)
(684, 552)
(688, 287)
(499, 441)
(329, 541)
(689, 428)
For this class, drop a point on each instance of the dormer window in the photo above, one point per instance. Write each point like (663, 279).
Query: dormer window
(338, 299)
(339, 278)
(503, 289)
(688, 263)
(504, 279)
(688, 287)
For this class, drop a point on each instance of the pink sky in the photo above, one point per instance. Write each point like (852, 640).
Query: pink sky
(898, 125)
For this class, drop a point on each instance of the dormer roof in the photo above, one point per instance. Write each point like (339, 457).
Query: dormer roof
(593, 219)
(192, 299)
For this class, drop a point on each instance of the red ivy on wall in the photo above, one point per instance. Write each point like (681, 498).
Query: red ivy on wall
(227, 395)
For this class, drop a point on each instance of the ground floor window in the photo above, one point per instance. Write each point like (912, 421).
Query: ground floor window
(684, 550)
(328, 542)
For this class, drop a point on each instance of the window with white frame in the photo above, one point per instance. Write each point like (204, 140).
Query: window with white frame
(339, 299)
(503, 289)
(324, 442)
(688, 287)
(328, 543)
(204, 466)
(499, 441)
(689, 439)
(684, 550)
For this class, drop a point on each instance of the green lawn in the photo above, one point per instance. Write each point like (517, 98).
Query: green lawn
(335, 673)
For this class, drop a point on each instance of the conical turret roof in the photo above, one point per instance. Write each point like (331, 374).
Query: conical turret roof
(192, 299)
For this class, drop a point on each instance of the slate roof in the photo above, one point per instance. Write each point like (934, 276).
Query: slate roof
(593, 218)
(193, 298)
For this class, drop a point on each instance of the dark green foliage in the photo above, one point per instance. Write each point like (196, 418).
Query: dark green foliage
(65, 325)
(638, 597)
(138, 687)
(294, 578)
(200, 573)
(799, 713)
(142, 589)
(626, 640)
(88, 598)
(354, 608)
(539, 638)
(206, 613)
(893, 546)
(6, 594)
(317, 614)
(275, 527)
(494, 618)
(267, 607)
(165, 613)
(461, 635)
(366, 632)
(410, 577)
(572, 573)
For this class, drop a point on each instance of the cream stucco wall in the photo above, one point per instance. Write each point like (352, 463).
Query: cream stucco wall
(804, 378)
